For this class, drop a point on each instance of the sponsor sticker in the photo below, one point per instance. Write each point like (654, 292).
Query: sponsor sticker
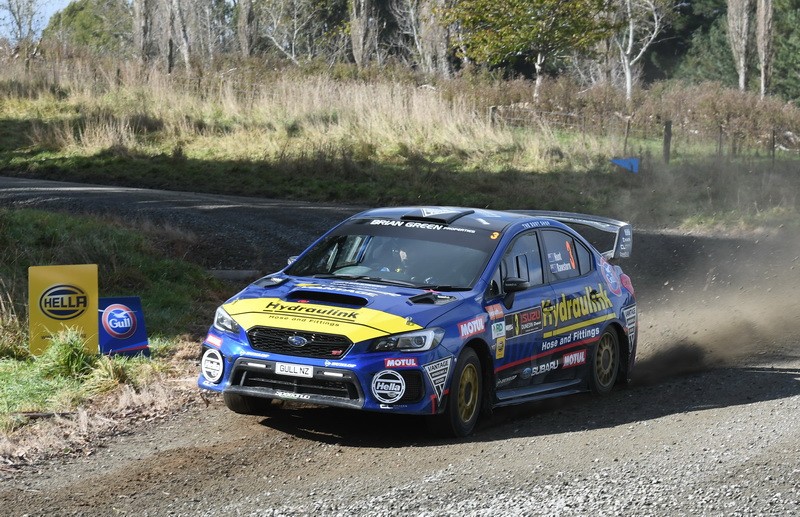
(495, 311)
(420, 225)
(549, 366)
(401, 362)
(630, 322)
(574, 359)
(611, 277)
(388, 386)
(503, 382)
(564, 310)
(500, 348)
(290, 395)
(471, 327)
(214, 340)
(523, 322)
(337, 364)
(437, 373)
(498, 330)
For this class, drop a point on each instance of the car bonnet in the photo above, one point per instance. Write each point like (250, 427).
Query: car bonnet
(360, 311)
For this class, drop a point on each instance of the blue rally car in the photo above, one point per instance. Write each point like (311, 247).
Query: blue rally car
(440, 311)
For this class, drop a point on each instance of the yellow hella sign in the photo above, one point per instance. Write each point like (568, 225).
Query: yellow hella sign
(61, 297)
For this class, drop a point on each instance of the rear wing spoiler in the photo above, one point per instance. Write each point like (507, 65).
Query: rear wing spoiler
(623, 232)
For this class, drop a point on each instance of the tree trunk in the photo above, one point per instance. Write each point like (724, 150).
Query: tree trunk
(434, 39)
(738, 32)
(361, 12)
(246, 27)
(142, 25)
(179, 24)
(539, 65)
(764, 12)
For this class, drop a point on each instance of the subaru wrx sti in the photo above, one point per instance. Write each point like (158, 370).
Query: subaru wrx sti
(439, 311)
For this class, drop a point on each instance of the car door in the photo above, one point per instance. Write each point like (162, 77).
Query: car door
(573, 319)
(517, 327)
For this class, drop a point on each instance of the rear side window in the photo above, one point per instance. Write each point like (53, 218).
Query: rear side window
(565, 257)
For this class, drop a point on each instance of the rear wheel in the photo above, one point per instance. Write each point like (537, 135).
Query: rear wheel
(464, 400)
(246, 405)
(605, 363)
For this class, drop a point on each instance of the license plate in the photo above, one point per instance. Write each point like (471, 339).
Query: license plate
(294, 370)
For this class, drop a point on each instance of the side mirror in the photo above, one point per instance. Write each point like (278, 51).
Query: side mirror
(511, 286)
(515, 285)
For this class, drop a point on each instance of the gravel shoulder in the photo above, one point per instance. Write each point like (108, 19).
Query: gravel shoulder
(709, 426)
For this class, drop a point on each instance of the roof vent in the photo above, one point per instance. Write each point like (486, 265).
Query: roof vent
(441, 215)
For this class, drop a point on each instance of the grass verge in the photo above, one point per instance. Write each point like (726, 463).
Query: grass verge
(65, 388)
(386, 141)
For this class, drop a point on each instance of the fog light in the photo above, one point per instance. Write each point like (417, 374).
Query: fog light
(211, 365)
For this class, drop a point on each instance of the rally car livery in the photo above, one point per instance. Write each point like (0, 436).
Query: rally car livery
(440, 311)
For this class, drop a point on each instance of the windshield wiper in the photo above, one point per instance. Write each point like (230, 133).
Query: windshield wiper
(373, 279)
(444, 287)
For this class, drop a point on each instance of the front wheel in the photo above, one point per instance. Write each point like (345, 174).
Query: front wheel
(605, 363)
(246, 405)
(464, 400)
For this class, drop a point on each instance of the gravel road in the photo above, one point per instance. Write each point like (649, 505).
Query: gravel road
(710, 425)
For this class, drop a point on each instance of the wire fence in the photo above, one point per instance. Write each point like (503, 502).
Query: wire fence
(725, 138)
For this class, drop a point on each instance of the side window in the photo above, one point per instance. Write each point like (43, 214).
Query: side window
(584, 257)
(522, 260)
(562, 255)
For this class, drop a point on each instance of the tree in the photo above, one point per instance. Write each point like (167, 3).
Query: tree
(246, 27)
(641, 22)
(497, 31)
(785, 79)
(363, 30)
(144, 12)
(428, 39)
(764, 40)
(739, 35)
(21, 18)
(101, 26)
(709, 57)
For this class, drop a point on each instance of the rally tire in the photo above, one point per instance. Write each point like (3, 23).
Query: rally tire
(246, 405)
(605, 363)
(463, 405)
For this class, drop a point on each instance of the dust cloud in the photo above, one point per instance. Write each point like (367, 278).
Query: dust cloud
(717, 302)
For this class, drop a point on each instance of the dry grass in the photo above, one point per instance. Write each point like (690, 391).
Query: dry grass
(116, 409)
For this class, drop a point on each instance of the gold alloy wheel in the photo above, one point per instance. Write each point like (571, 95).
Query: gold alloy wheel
(468, 393)
(605, 361)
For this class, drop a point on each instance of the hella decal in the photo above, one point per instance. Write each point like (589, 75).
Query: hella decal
(388, 386)
(63, 302)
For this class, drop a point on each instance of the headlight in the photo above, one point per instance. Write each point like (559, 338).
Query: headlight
(410, 342)
(223, 321)
(211, 365)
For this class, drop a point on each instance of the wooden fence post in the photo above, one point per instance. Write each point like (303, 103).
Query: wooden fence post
(772, 147)
(667, 140)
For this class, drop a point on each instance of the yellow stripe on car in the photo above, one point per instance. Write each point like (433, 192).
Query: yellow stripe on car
(357, 324)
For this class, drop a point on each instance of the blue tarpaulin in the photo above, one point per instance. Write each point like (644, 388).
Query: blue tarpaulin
(629, 164)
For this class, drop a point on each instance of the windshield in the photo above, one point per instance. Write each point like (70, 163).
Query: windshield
(425, 255)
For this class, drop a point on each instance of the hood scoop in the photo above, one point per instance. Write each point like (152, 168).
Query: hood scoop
(303, 295)
(432, 298)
